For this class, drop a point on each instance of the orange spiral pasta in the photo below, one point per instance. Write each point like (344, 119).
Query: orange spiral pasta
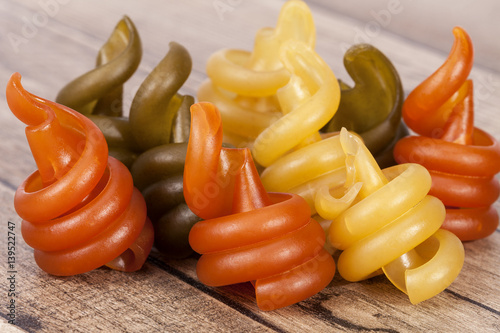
(462, 159)
(80, 209)
(249, 234)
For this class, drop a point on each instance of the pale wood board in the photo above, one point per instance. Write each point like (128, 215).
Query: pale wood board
(166, 295)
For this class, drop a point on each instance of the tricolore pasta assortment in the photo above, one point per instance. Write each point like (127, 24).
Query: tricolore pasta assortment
(275, 166)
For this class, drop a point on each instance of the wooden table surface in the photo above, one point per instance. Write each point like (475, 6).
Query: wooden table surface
(51, 42)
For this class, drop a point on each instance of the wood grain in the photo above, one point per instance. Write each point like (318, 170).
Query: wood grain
(166, 295)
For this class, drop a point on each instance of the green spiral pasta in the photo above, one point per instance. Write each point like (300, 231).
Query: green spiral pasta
(152, 141)
(372, 108)
(100, 90)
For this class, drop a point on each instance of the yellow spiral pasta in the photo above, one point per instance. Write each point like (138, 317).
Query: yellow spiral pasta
(308, 101)
(393, 225)
(244, 84)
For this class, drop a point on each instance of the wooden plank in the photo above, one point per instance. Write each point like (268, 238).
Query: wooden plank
(166, 294)
(466, 303)
(113, 301)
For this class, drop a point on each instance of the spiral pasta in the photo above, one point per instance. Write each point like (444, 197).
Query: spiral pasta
(243, 84)
(372, 107)
(249, 234)
(158, 114)
(158, 174)
(159, 121)
(392, 224)
(308, 101)
(462, 159)
(307, 170)
(296, 158)
(152, 141)
(80, 209)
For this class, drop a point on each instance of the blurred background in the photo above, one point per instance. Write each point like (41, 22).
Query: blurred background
(406, 31)
(427, 22)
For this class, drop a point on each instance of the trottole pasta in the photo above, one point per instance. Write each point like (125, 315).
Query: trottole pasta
(243, 84)
(80, 209)
(392, 224)
(462, 159)
(152, 141)
(249, 234)
(372, 107)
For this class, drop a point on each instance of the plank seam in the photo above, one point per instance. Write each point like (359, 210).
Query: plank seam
(471, 301)
(7, 184)
(212, 293)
